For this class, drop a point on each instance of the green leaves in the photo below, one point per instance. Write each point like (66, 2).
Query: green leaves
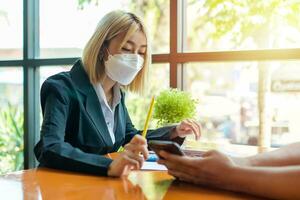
(172, 106)
(238, 22)
(11, 138)
(82, 3)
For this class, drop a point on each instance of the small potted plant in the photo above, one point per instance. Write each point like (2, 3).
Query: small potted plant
(172, 106)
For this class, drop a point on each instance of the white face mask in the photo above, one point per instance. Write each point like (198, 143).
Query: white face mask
(123, 67)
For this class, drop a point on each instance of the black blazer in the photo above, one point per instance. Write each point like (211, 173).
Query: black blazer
(74, 135)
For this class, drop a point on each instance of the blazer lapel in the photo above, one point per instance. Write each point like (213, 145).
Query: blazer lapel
(94, 110)
(92, 104)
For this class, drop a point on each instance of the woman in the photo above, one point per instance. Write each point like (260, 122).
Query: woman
(85, 116)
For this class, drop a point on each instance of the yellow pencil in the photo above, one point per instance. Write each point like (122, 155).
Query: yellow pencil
(148, 118)
(146, 122)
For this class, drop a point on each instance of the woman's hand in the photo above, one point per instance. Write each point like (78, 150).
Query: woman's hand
(211, 169)
(132, 158)
(187, 127)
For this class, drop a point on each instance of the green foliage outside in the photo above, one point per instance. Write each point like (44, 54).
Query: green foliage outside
(263, 23)
(173, 106)
(11, 138)
(137, 107)
(155, 14)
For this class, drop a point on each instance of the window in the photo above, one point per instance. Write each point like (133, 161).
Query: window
(227, 99)
(284, 102)
(11, 119)
(231, 25)
(65, 29)
(211, 30)
(137, 104)
(11, 30)
(47, 71)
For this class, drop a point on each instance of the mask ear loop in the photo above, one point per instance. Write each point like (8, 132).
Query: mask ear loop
(109, 56)
(107, 51)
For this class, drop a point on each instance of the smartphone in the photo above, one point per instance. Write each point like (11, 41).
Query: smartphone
(168, 146)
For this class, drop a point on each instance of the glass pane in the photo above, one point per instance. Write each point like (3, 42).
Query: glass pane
(138, 105)
(65, 29)
(228, 96)
(285, 102)
(227, 100)
(47, 71)
(11, 119)
(231, 25)
(11, 28)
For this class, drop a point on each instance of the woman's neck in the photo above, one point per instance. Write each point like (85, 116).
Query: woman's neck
(107, 85)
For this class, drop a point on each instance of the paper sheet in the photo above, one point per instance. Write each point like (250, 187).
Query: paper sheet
(153, 166)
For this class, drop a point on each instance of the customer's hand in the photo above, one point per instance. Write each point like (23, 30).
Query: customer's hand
(132, 158)
(187, 127)
(211, 169)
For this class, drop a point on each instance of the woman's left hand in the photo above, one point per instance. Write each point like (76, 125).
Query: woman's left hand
(187, 127)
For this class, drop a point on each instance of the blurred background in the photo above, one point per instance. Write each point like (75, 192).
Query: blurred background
(251, 101)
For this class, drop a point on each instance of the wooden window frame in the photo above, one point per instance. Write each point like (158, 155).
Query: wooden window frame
(177, 58)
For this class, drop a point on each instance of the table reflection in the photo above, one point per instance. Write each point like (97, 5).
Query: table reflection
(79, 186)
(54, 184)
(153, 184)
(46, 184)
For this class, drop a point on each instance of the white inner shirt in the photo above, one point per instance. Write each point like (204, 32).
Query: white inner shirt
(109, 111)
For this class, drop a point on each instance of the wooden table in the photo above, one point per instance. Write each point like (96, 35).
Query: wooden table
(42, 183)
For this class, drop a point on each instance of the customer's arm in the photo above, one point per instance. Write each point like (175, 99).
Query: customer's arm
(287, 155)
(272, 182)
(218, 170)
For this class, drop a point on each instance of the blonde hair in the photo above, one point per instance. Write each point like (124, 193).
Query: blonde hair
(110, 26)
